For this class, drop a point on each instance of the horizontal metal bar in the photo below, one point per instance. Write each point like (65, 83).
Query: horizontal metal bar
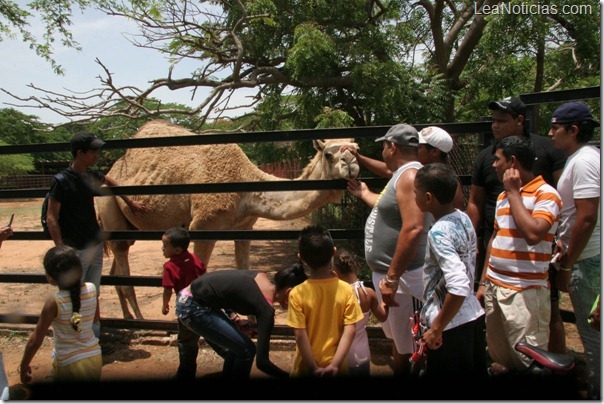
(249, 137)
(161, 325)
(228, 187)
(336, 234)
(109, 280)
(373, 332)
(561, 96)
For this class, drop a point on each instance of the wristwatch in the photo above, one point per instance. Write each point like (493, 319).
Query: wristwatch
(390, 282)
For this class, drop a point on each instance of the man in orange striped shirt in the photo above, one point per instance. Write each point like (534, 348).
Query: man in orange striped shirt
(514, 284)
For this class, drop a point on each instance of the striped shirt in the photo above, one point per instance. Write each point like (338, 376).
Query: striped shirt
(71, 346)
(513, 263)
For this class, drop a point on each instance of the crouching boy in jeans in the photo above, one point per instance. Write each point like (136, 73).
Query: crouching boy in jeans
(179, 272)
(451, 312)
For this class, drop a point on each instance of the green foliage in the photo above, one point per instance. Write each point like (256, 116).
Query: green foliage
(18, 128)
(15, 164)
(504, 62)
(313, 54)
(56, 20)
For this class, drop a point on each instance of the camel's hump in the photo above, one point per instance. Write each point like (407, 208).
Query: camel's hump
(161, 128)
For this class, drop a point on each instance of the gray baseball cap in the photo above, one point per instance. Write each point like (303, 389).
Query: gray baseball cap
(401, 134)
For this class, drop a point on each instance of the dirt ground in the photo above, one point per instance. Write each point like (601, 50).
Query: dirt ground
(146, 355)
(135, 354)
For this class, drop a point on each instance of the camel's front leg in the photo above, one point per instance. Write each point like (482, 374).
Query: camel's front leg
(242, 247)
(242, 254)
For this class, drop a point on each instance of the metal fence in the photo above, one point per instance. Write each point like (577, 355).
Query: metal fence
(470, 138)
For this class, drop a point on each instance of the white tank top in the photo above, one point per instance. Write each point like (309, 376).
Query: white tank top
(359, 350)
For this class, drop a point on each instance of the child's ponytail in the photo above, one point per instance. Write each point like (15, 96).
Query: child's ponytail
(76, 318)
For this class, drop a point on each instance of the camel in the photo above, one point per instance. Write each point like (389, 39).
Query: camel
(225, 211)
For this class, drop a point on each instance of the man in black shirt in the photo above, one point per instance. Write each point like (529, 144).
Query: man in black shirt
(71, 215)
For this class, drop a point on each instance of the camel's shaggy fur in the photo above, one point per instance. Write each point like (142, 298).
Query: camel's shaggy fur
(224, 211)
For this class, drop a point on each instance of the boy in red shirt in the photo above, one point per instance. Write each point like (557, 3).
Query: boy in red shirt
(182, 268)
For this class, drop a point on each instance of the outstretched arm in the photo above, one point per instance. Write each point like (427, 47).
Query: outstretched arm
(135, 206)
(377, 167)
(49, 312)
(362, 191)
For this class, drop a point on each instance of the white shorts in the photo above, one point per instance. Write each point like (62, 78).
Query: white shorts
(398, 325)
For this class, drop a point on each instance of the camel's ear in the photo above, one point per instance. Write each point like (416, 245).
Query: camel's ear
(318, 144)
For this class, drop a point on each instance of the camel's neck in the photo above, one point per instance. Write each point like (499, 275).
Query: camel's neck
(286, 205)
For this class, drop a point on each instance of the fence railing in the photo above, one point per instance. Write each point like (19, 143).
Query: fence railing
(455, 129)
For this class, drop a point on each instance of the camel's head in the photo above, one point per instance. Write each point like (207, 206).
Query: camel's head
(338, 158)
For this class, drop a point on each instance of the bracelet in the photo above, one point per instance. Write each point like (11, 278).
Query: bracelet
(481, 284)
(390, 282)
(566, 269)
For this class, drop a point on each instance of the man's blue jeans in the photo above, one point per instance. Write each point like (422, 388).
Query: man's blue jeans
(220, 333)
(188, 348)
(92, 269)
(584, 288)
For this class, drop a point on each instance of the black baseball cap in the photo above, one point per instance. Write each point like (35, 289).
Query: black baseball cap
(575, 112)
(85, 141)
(511, 105)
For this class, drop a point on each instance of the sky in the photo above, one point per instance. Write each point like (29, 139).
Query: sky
(101, 37)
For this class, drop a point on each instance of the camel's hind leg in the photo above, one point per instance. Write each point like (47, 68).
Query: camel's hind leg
(203, 250)
(120, 266)
(111, 218)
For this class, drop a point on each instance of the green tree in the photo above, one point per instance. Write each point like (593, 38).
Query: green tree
(379, 62)
(19, 128)
(525, 53)
(15, 21)
(15, 164)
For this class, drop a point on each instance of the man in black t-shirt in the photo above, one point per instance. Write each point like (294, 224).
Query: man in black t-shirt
(508, 120)
(71, 215)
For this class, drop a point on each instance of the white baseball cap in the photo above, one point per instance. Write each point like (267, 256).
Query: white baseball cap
(436, 137)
